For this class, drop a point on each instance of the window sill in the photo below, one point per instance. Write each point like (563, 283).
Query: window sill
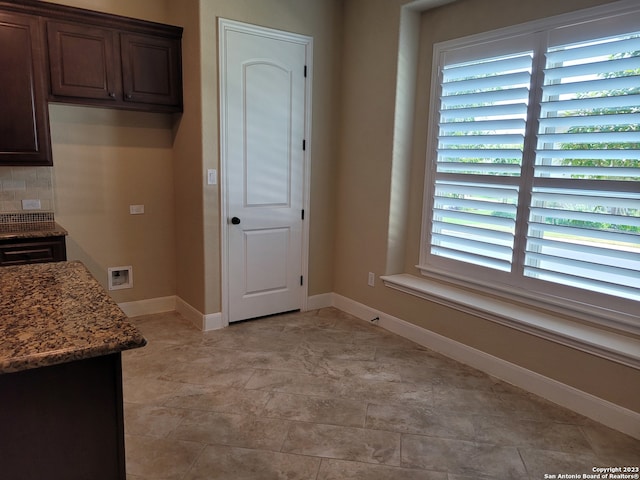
(609, 345)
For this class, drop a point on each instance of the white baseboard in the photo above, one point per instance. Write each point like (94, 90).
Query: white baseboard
(323, 300)
(212, 321)
(602, 411)
(149, 306)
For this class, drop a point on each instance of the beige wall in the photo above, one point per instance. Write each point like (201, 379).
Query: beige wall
(105, 160)
(368, 92)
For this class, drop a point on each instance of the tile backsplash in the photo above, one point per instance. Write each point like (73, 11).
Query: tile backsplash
(26, 183)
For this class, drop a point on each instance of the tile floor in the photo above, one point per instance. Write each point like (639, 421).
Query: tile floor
(324, 396)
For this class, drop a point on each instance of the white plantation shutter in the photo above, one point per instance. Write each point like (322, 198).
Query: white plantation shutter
(479, 159)
(584, 218)
(534, 176)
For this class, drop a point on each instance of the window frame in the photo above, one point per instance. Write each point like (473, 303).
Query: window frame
(609, 311)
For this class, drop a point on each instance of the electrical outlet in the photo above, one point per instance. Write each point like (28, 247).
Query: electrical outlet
(372, 279)
(136, 209)
(33, 204)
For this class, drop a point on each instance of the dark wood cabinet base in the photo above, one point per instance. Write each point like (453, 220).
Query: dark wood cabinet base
(63, 422)
(20, 251)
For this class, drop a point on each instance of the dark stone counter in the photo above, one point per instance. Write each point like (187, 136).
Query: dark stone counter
(54, 313)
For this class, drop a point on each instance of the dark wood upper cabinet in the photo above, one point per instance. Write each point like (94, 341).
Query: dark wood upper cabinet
(82, 61)
(72, 55)
(151, 69)
(24, 117)
(114, 68)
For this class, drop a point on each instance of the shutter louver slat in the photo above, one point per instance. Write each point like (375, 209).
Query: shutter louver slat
(587, 86)
(484, 126)
(593, 50)
(501, 238)
(592, 68)
(517, 110)
(627, 119)
(593, 285)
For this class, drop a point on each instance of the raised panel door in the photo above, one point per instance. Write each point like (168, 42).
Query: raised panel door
(151, 69)
(82, 62)
(24, 122)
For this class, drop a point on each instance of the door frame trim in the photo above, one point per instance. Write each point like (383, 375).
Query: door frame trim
(224, 26)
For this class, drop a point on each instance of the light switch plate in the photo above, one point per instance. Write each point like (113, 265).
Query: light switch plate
(136, 209)
(212, 176)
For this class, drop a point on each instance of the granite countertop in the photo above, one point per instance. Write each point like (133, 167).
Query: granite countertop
(53, 313)
(31, 230)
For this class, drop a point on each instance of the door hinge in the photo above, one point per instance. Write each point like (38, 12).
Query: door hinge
(305, 71)
(301, 280)
(302, 214)
(304, 145)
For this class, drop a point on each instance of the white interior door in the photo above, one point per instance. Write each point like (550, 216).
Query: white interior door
(263, 124)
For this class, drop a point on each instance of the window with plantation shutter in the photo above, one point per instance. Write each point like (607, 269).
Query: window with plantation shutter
(533, 176)
(584, 220)
(479, 159)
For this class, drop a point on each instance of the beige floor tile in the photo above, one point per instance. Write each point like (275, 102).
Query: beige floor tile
(467, 401)
(355, 444)
(160, 458)
(296, 383)
(383, 392)
(232, 430)
(305, 408)
(321, 395)
(419, 420)
(532, 407)
(363, 369)
(325, 348)
(207, 373)
(148, 390)
(511, 431)
(462, 457)
(344, 470)
(416, 356)
(229, 463)
(541, 462)
(151, 420)
(219, 399)
(294, 360)
(617, 448)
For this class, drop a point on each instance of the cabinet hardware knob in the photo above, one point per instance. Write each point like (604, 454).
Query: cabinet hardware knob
(112, 94)
(235, 221)
(129, 96)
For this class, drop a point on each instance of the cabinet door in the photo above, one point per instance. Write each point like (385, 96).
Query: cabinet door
(24, 118)
(82, 61)
(151, 70)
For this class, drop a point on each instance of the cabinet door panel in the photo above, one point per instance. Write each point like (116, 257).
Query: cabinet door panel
(151, 69)
(82, 61)
(24, 122)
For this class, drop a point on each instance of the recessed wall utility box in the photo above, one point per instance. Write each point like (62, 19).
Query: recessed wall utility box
(120, 277)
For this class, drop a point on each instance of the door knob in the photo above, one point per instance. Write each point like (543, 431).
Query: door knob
(235, 220)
